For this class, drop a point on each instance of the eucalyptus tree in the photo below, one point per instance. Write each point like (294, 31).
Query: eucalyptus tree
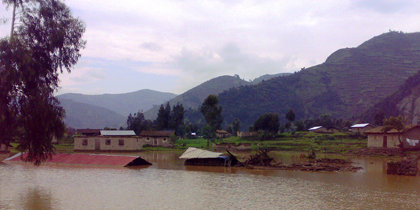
(45, 40)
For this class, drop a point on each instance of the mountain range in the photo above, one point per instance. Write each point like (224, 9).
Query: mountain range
(111, 110)
(346, 85)
(195, 96)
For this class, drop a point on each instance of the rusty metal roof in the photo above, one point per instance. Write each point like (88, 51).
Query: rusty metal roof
(157, 133)
(90, 159)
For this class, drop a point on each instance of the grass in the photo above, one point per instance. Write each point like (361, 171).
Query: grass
(299, 141)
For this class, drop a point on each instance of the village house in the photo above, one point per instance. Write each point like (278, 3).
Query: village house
(361, 128)
(5, 148)
(378, 138)
(245, 134)
(108, 140)
(157, 138)
(222, 134)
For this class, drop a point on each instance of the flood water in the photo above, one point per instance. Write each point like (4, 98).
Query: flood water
(168, 184)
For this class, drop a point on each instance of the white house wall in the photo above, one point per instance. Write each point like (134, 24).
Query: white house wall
(130, 143)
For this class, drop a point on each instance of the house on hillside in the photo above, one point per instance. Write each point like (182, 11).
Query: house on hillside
(379, 138)
(108, 140)
(157, 138)
(222, 134)
(361, 128)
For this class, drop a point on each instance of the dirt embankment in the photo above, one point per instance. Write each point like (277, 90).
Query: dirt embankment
(377, 152)
(319, 165)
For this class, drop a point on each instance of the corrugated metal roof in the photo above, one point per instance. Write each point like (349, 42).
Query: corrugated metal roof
(193, 152)
(314, 128)
(90, 159)
(362, 125)
(118, 133)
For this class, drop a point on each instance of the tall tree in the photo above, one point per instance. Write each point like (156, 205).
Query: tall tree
(167, 116)
(212, 113)
(138, 123)
(290, 115)
(160, 120)
(177, 119)
(236, 126)
(47, 40)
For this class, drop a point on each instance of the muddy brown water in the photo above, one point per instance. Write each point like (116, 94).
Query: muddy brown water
(168, 184)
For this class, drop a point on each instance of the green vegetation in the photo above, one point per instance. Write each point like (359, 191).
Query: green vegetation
(45, 41)
(347, 84)
(300, 141)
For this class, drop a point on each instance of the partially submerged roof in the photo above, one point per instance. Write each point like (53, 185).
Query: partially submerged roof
(193, 152)
(362, 125)
(157, 133)
(314, 128)
(118, 133)
(90, 159)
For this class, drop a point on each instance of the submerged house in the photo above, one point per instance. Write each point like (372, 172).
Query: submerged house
(109, 140)
(199, 157)
(410, 137)
(361, 128)
(157, 138)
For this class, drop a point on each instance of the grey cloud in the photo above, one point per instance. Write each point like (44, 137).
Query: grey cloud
(384, 6)
(151, 46)
(206, 63)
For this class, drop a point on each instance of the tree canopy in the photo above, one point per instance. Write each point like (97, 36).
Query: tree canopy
(47, 40)
(268, 122)
(212, 112)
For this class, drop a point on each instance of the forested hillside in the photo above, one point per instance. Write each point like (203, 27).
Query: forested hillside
(405, 101)
(195, 96)
(349, 82)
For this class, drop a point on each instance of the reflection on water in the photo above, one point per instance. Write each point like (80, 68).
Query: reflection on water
(168, 184)
(36, 199)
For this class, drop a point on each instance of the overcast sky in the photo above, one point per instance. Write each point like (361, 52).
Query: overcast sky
(172, 46)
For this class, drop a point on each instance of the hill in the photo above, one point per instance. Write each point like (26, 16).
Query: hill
(81, 115)
(405, 101)
(195, 96)
(124, 103)
(349, 82)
